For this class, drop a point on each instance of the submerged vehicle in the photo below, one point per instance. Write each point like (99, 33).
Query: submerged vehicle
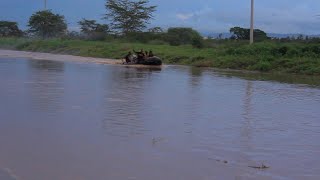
(151, 61)
(155, 61)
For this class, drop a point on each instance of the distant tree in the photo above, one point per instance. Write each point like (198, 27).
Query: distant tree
(300, 37)
(240, 33)
(244, 34)
(180, 35)
(93, 30)
(129, 16)
(9, 29)
(197, 42)
(260, 35)
(210, 37)
(307, 38)
(47, 25)
(72, 35)
(155, 30)
(91, 26)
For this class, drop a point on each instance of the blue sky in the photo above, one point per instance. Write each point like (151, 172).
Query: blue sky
(273, 16)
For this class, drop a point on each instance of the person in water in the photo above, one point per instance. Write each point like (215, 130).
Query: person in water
(150, 54)
(141, 55)
(128, 57)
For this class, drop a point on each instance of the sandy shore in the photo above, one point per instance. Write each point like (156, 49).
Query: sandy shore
(55, 57)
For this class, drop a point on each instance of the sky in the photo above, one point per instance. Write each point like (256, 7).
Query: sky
(209, 16)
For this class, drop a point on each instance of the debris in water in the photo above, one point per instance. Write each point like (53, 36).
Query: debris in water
(260, 167)
(156, 140)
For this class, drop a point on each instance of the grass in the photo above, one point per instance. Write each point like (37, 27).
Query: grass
(296, 58)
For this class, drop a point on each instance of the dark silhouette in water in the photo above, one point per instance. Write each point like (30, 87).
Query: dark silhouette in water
(141, 55)
(150, 54)
(128, 57)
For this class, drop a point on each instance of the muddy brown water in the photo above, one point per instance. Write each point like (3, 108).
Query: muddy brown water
(82, 121)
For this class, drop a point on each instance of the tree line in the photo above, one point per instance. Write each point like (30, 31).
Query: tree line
(127, 19)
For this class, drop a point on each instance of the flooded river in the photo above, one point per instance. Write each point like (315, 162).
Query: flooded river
(82, 121)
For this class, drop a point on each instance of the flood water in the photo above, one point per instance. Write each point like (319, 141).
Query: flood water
(81, 121)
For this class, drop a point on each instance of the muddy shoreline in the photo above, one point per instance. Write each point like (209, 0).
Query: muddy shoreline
(55, 57)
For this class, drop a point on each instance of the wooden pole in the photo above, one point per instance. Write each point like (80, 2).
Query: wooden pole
(252, 22)
(45, 4)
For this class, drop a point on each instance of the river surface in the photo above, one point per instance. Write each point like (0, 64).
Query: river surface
(82, 121)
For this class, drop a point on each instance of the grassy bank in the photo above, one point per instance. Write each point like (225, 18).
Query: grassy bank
(297, 58)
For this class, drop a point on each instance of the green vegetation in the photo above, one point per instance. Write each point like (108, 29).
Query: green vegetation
(9, 29)
(302, 58)
(183, 36)
(127, 30)
(244, 34)
(46, 24)
(93, 30)
(129, 16)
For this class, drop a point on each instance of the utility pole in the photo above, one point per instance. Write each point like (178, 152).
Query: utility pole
(45, 4)
(252, 21)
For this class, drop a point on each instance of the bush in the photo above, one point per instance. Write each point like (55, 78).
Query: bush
(23, 45)
(181, 36)
(280, 51)
(262, 66)
(197, 42)
(10, 29)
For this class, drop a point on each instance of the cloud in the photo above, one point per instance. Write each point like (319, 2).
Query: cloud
(184, 17)
(195, 15)
(269, 18)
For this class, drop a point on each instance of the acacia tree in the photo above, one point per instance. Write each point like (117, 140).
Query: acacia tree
(155, 30)
(244, 34)
(93, 30)
(47, 24)
(8, 28)
(181, 35)
(91, 26)
(129, 16)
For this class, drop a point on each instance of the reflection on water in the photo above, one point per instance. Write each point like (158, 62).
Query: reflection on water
(46, 85)
(277, 77)
(123, 100)
(47, 65)
(88, 121)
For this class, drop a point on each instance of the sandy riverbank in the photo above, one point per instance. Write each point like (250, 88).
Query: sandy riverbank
(55, 57)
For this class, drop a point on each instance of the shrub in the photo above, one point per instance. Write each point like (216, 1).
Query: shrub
(262, 66)
(197, 42)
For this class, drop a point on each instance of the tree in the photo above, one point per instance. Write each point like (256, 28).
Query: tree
(91, 26)
(240, 33)
(93, 30)
(46, 24)
(155, 30)
(197, 42)
(180, 35)
(9, 29)
(244, 34)
(129, 16)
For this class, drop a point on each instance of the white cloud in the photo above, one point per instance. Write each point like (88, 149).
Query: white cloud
(194, 15)
(296, 19)
(184, 17)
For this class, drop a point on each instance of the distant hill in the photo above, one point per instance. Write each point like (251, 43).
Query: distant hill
(289, 35)
(275, 35)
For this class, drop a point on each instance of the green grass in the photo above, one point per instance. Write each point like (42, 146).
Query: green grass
(297, 58)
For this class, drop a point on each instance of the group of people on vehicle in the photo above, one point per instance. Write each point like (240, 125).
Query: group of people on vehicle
(140, 56)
